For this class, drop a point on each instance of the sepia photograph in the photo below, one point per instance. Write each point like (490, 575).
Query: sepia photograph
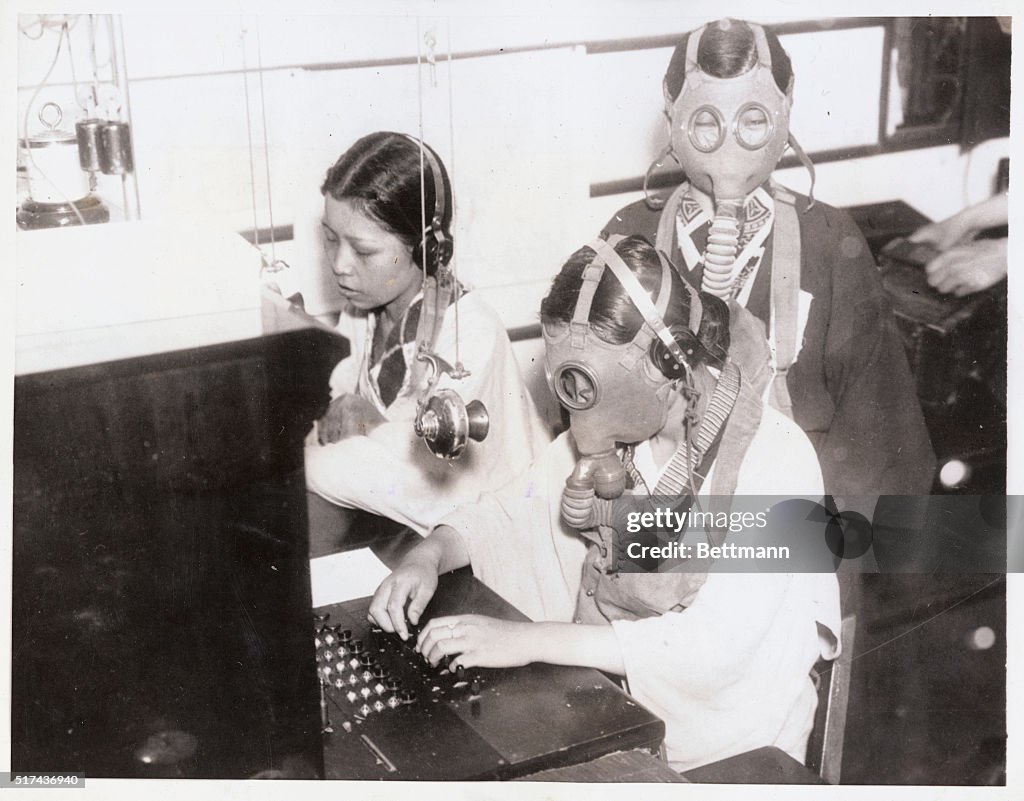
(551, 398)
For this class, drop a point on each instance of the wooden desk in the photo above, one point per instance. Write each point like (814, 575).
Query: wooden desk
(520, 721)
(761, 766)
(620, 767)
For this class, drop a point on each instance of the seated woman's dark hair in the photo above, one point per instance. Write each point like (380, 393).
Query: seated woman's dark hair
(614, 317)
(380, 173)
(728, 49)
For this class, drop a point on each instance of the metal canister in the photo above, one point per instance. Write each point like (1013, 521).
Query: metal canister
(89, 144)
(51, 161)
(116, 148)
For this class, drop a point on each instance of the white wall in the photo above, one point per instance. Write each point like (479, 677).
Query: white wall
(526, 122)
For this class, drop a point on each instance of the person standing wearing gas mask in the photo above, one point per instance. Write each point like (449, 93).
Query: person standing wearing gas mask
(800, 266)
(664, 389)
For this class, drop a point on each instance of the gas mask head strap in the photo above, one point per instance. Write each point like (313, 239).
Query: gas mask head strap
(653, 313)
(696, 306)
(580, 325)
(764, 55)
(691, 50)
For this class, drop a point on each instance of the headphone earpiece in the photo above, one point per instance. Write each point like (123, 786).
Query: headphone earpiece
(688, 343)
(439, 247)
(436, 247)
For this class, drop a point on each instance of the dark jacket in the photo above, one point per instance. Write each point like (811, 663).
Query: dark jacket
(851, 387)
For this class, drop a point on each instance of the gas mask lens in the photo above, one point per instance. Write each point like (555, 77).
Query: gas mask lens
(575, 387)
(753, 126)
(706, 129)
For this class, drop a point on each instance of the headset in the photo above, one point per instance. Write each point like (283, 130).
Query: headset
(444, 421)
(436, 247)
(674, 347)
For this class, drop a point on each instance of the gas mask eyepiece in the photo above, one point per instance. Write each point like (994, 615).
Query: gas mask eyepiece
(752, 127)
(576, 386)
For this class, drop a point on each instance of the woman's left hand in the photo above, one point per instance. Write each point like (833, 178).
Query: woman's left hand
(348, 416)
(477, 641)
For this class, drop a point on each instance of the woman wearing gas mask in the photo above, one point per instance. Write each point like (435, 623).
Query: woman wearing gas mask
(386, 230)
(800, 266)
(664, 389)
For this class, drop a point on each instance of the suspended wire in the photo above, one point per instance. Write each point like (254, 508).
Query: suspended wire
(118, 59)
(248, 131)
(95, 66)
(115, 65)
(460, 371)
(74, 77)
(423, 174)
(271, 264)
(451, 176)
(266, 146)
(38, 21)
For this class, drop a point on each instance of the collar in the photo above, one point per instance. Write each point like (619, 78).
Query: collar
(759, 214)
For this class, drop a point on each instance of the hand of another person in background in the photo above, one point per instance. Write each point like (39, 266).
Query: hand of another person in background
(944, 234)
(414, 582)
(965, 224)
(972, 267)
(348, 416)
(478, 641)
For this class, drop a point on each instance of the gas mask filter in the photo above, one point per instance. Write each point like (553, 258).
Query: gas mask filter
(616, 393)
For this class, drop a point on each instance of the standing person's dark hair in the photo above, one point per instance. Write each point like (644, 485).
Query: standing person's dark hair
(725, 52)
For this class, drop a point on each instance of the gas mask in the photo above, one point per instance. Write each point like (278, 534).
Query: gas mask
(728, 134)
(615, 393)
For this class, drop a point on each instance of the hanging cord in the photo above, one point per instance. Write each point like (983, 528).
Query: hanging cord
(40, 21)
(119, 71)
(445, 276)
(64, 31)
(461, 371)
(74, 77)
(419, 129)
(95, 66)
(274, 263)
(271, 264)
(248, 131)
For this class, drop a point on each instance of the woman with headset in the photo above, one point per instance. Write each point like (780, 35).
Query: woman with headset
(664, 387)
(386, 230)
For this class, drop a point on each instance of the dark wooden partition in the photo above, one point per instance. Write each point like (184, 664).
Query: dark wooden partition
(161, 602)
